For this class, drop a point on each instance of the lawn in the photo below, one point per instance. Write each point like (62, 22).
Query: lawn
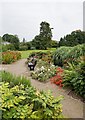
(25, 54)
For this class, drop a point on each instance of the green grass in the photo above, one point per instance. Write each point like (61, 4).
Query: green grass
(25, 54)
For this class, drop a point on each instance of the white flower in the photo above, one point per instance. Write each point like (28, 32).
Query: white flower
(42, 68)
(48, 69)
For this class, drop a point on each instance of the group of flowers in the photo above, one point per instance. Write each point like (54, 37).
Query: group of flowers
(10, 56)
(44, 73)
(58, 78)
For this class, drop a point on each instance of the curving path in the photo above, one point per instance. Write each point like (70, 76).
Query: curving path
(72, 107)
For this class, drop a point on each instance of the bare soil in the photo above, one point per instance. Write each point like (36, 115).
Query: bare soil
(73, 107)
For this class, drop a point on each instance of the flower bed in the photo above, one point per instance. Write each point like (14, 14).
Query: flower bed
(44, 71)
(10, 57)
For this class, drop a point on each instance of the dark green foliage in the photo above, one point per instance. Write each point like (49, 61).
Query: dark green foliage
(60, 55)
(43, 40)
(25, 46)
(13, 39)
(75, 38)
(68, 54)
(74, 77)
(54, 44)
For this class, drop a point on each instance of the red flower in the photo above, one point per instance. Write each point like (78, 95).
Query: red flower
(59, 69)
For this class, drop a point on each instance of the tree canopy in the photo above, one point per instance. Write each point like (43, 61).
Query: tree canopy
(75, 38)
(13, 39)
(43, 40)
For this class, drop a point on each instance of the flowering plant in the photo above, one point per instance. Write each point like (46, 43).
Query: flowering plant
(10, 56)
(57, 79)
(44, 73)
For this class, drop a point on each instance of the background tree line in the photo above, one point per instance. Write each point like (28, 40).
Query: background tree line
(43, 40)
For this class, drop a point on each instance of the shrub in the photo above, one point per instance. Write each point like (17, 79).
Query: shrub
(60, 55)
(74, 77)
(68, 54)
(7, 47)
(10, 56)
(28, 103)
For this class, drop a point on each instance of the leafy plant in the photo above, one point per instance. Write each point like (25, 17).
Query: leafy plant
(28, 103)
(14, 80)
(74, 77)
(63, 55)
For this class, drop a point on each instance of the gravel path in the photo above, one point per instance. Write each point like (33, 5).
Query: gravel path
(72, 107)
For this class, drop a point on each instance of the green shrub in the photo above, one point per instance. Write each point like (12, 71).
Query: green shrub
(74, 77)
(28, 103)
(60, 55)
(10, 56)
(14, 80)
(68, 54)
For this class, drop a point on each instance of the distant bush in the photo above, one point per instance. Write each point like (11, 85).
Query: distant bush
(8, 47)
(23, 47)
(10, 56)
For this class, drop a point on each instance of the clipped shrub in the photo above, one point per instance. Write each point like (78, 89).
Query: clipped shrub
(10, 56)
(20, 102)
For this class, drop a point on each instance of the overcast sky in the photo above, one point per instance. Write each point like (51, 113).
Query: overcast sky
(24, 17)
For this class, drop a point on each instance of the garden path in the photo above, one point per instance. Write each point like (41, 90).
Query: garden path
(72, 107)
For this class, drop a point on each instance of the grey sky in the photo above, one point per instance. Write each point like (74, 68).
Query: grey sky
(23, 18)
